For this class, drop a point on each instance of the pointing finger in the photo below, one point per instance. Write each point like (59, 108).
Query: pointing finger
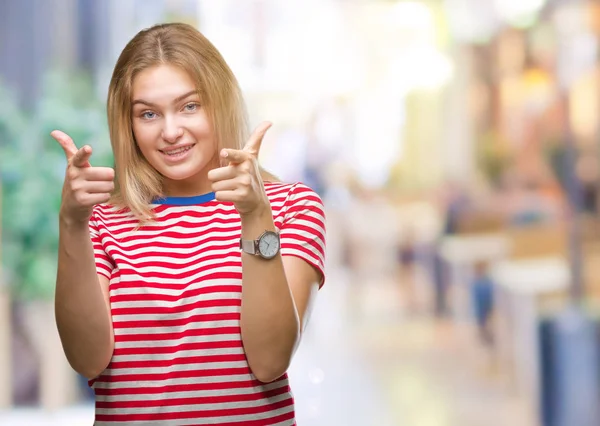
(65, 142)
(255, 141)
(234, 156)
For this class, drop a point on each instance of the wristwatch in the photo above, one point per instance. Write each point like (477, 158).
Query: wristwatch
(266, 246)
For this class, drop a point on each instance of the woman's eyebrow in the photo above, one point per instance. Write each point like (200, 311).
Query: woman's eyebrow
(177, 100)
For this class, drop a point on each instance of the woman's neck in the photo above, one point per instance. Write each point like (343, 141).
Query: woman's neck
(184, 189)
(190, 187)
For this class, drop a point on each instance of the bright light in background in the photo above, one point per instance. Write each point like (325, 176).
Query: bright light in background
(319, 61)
(410, 15)
(378, 137)
(412, 62)
(422, 67)
(282, 54)
(519, 12)
(413, 59)
(471, 20)
(478, 20)
(372, 54)
(233, 38)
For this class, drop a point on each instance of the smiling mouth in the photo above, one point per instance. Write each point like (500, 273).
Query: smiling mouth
(177, 151)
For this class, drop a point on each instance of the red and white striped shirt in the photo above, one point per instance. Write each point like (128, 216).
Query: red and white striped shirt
(175, 298)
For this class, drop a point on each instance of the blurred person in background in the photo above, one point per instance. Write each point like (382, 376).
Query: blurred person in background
(454, 204)
(186, 275)
(482, 295)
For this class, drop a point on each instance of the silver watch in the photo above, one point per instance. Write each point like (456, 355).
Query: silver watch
(266, 246)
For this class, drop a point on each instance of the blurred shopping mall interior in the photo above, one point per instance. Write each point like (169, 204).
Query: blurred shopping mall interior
(456, 147)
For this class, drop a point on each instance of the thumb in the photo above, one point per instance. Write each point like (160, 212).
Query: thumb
(82, 157)
(65, 142)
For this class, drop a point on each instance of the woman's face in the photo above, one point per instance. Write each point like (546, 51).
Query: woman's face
(172, 129)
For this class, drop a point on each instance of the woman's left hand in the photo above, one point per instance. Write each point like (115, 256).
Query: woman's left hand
(239, 182)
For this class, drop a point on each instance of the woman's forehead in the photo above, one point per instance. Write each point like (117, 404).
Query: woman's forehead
(162, 83)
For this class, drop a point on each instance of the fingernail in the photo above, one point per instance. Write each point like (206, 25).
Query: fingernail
(224, 154)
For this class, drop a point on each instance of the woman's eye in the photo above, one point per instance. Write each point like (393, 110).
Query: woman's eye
(148, 115)
(190, 107)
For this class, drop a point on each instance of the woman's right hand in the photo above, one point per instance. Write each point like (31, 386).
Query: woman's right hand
(85, 186)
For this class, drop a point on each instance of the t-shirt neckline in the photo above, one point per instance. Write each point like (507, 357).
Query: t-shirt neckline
(185, 201)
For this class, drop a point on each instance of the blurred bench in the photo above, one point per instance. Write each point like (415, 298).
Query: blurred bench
(534, 278)
(530, 268)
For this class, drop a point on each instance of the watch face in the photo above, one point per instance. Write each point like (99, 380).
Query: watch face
(268, 246)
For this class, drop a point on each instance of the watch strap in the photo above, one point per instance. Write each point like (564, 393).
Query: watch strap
(248, 246)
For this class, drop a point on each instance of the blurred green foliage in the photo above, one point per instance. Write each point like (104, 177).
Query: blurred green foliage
(32, 167)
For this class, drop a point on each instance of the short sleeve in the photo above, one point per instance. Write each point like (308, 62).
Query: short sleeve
(104, 264)
(303, 228)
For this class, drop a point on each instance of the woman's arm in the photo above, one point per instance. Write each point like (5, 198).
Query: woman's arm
(81, 303)
(277, 295)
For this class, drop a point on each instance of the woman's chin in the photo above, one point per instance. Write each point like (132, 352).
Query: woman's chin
(187, 170)
(181, 173)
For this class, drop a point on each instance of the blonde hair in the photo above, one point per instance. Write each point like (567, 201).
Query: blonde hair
(137, 183)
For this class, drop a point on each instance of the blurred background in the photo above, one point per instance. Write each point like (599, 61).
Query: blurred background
(456, 145)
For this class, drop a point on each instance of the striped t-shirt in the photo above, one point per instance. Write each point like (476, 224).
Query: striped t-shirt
(175, 298)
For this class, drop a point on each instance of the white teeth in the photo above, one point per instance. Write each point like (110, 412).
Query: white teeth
(178, 151)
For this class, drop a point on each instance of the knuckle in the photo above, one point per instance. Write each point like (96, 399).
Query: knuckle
(80, 198)
(75, 186)
(246, 180)
(71, 174)
(246, 167)
(87, 173)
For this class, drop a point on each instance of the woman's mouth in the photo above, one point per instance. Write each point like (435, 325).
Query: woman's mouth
(174, 154)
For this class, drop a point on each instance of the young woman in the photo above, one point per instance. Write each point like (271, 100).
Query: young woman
(186, 275)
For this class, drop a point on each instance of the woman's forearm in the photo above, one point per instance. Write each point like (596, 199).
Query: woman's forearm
(81, 305)
(269, 320)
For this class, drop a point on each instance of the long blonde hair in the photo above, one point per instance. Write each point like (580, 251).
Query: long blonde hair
(137, 183)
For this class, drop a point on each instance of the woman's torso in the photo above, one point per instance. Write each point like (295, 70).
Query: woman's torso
(175, 296)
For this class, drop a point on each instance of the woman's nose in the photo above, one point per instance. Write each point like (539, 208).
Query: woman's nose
(172, 132)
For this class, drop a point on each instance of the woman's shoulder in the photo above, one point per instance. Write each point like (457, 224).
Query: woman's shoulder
(106, 212)
(288, 189)
(275, 187)
(288, 194)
